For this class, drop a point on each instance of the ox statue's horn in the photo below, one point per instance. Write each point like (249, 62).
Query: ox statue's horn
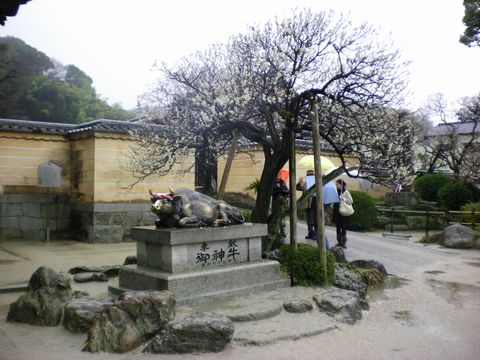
(171, 191)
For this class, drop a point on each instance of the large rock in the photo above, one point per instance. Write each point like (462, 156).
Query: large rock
(370, 264)
(298, 306)
(349, 280)
(113, 331)
(339, 254)
(108, 270)
(80, 314)
(198, 332)
(458, 236)
(87, 277)
(151, 310)
(43, 302)
(130, 260)
(343, 305)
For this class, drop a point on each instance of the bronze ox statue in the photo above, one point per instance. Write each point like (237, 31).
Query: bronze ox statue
(188, 208)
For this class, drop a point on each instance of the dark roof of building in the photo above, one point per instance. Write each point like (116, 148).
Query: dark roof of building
(34, 127)
(101, 126)
(460, 128)
(38, 127)
(104, 125)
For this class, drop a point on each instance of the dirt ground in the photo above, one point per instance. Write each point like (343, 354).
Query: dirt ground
(433, 313)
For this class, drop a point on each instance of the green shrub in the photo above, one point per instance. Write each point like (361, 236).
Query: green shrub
(307, 264)
(371, 277)
(453, 195)
(247, 214)
(429, 239)
(474, 189)
(427, 186)
(365, 215)
(253, 186)
(471, 208)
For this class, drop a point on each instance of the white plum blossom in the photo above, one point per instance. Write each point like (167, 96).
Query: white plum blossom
(261, 84)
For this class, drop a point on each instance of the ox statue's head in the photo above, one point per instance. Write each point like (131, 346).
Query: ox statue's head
(164, 203)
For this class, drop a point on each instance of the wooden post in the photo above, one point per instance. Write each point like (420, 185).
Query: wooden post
(391, 220)
(293, 207)
(319, 191)
(47, 213)
(228, 166)
(427, 223)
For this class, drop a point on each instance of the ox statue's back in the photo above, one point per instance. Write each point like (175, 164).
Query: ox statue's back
(187, 208)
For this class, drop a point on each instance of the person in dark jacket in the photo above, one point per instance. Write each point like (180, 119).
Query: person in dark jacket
(309, 212)
(276, 220)
(339, 219)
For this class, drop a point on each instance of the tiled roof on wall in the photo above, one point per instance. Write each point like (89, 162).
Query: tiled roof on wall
(460, 128)
(38, 127)
(105, 126)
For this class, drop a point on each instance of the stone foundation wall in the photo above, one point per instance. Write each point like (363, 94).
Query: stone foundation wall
(108, 222)
(24, 216)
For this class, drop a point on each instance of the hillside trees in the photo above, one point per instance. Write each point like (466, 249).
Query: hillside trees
(35, 87)
(471, 19)
(261, 84)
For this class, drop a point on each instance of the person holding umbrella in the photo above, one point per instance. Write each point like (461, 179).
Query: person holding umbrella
(302, 186)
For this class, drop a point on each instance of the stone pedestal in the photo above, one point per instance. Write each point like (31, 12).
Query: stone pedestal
(201, 264)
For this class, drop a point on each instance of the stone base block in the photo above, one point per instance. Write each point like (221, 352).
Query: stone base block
(205, 285)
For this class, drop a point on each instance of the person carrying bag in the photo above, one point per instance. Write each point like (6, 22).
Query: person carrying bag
(341, 212)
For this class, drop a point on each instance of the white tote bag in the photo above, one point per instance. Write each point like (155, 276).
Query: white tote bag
(345, 209)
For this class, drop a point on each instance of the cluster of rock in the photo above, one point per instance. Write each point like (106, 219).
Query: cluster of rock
(147, 318)
(83, 274)
(135, 318)
(344, 306)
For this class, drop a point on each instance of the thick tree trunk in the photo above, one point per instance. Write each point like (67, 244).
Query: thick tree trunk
(276, 224)
(264, 192)
(274, 161)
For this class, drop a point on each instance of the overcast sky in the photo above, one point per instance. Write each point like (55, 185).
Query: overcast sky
(116, 42)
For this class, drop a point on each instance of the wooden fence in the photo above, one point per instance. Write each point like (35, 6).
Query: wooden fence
(450, 217)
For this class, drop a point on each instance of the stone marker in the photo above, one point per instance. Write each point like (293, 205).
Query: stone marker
(201, 264)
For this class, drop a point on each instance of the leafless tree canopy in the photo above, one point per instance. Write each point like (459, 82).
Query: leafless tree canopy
(262, 83)
(455, 145)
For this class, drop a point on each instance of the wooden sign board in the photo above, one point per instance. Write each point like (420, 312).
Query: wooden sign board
(49, 175)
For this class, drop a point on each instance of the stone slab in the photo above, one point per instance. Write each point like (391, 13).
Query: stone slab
(177, 236)
(206, 285)
(13, 288)
(285, 326)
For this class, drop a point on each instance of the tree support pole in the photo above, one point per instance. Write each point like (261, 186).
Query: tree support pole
(228, 166)
(293, 206)
(319, 192)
